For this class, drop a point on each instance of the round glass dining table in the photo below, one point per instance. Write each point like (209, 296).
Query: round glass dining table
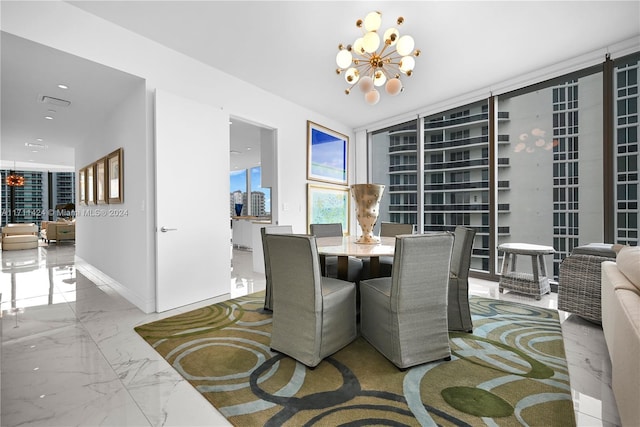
(344, 247)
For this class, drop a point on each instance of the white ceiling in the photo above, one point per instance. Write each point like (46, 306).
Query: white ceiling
(289, 47)
(30, 71)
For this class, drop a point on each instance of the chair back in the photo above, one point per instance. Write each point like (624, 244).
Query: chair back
(313, 316)
(420, 275)
(461, 253)
(272, 229)
(296, 284)
(327, 230)
(393, 229)
(295, 269)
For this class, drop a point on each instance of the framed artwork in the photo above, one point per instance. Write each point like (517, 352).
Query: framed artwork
(82, 189)
(327, 204)
(327, 154)
(114, 177)
(101, 181)
(90, 184)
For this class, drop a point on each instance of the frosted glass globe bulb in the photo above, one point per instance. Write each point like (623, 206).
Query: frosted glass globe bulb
(372, 97)
(372, 21)
(366, 84)
(344, 58)
(405, 45)
(393, 87)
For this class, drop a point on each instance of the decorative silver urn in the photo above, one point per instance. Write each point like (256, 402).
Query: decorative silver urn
(367, 198)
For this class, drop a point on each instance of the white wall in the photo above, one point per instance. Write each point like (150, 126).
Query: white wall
(87, 36)
(115, 238)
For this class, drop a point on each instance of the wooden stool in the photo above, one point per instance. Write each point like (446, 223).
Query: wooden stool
(536, 284)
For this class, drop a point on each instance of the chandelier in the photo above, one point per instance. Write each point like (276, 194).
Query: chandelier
(363, 64)
(15, 180)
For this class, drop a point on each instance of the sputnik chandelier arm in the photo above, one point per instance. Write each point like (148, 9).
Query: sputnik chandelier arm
(364, 66)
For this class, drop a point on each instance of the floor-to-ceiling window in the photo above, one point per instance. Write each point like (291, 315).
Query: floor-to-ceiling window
(39, 197)
(256, 201)
(524, 166)
(555, 165)
(456, 174)
(260, 196)
(626, 150)
(238, 194)
(394, 164)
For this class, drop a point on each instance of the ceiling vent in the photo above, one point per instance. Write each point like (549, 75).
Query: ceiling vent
(54, 101)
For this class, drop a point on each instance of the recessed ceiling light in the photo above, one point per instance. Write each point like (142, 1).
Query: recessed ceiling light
(39, 139)
(61, 86)
(248, 148)
(48, 117)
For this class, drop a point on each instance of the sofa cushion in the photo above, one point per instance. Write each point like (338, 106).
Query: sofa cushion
(628, 262)
(20, 238)
(13, 229)
(597, 249)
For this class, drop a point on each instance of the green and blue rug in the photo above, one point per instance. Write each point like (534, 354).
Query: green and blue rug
(511, 371)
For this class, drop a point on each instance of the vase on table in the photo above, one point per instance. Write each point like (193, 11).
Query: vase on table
(367, 198)
(237, 202)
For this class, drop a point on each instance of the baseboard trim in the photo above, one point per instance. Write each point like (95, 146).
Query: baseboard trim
(100, 278)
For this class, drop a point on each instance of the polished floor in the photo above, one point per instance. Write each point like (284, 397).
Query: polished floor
(70, 356)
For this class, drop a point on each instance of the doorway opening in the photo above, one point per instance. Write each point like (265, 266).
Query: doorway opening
(252, 199)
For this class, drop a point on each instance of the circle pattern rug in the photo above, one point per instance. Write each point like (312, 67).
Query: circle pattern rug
(510, 371)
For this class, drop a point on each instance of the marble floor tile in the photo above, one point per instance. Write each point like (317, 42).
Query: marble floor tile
(70, 355)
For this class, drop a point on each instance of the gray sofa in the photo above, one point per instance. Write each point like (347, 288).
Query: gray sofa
(621, 326)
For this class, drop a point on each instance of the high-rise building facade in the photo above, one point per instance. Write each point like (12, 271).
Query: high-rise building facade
(626, 153)
(547, 159)
(37, 199)
(63, 188)
(29, 200)
(258, 204)
(455, 170)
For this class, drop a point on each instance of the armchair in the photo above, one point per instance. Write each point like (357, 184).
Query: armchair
(19, 236)
(59, 230)
(579, 281)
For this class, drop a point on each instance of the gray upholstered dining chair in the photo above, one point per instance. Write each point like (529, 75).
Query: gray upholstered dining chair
(313, 316)
(392, 229)
(273, 229)
(331, 262)
(459, 311)
(387, 229)
(405, 316)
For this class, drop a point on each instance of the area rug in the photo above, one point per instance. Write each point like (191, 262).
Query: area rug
(511, 371)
